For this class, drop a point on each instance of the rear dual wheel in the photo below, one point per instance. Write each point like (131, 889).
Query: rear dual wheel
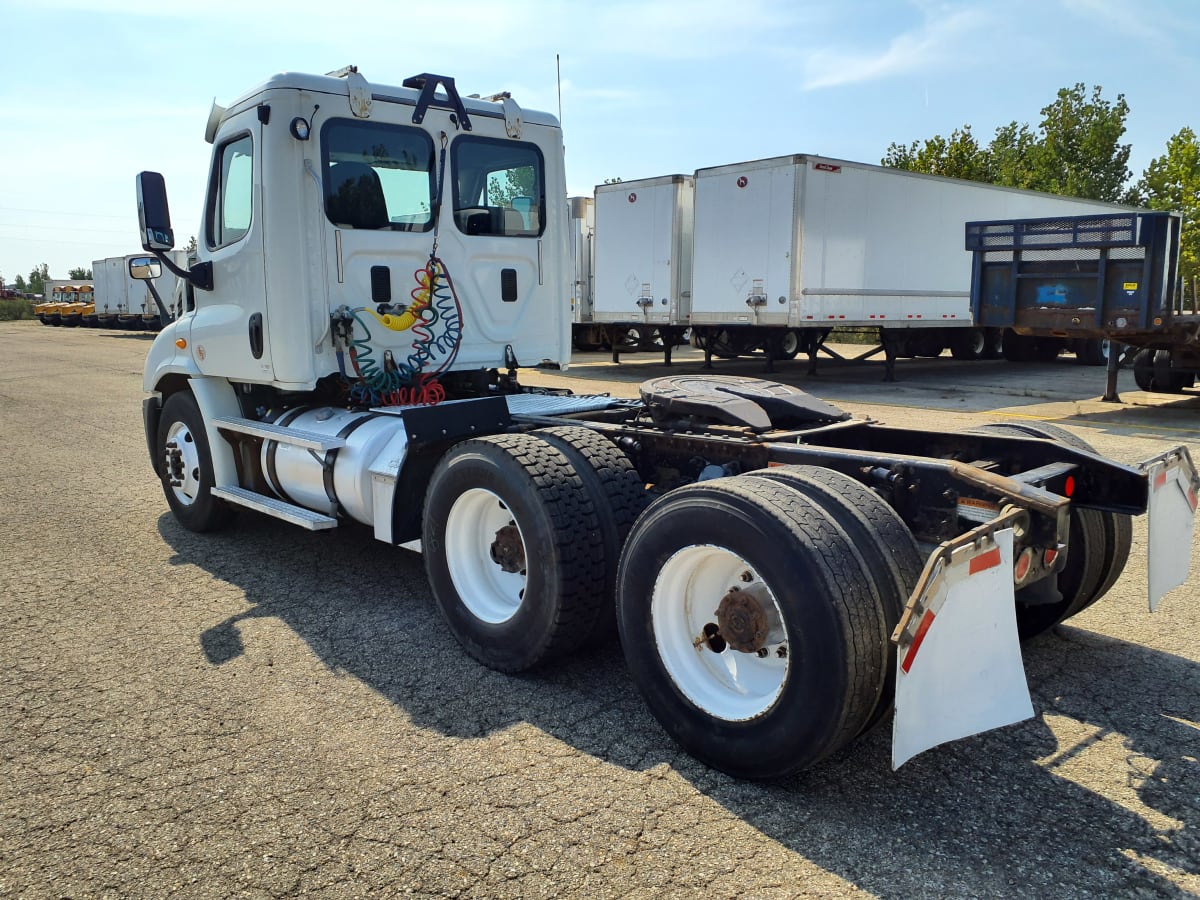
(521, 538)
(751, 626)
(1097, 549)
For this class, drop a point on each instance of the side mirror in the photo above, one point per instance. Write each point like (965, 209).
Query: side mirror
(144, 268)
(154, 217)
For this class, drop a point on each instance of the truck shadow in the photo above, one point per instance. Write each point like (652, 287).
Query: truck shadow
(966, 819)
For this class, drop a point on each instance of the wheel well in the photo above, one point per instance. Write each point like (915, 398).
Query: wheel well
(171, 384)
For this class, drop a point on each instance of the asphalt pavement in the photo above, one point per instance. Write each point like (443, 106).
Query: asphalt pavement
(271, 712)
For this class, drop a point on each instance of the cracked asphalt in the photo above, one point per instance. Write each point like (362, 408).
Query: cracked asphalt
(268, 712)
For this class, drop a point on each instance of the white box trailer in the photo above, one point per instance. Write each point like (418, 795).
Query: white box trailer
(112, 289)
(644, 251)
(580, 236)
(123, 302)
(806, 241)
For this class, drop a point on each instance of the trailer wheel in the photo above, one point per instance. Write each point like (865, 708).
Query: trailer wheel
(513, 550)
(888, 548)
(968, 344)
(185, 463)
(749, 626)
(619, 495)
(1097, 554)
(789, 344)
(994, 343)
(1091, 352)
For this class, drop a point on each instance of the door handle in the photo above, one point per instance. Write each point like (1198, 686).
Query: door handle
(256, 335)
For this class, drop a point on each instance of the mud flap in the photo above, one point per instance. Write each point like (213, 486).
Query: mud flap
(959, 669)
(1172, 521)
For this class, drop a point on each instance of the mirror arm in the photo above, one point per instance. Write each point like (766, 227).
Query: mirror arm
(200, 275)
(163, 315)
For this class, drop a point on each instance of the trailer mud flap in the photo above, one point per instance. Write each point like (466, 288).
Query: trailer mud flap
(1172, 521)
(959, 669)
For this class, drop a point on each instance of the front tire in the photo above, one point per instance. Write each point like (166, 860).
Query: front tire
(185, 464)
(750, 626)
(513, 550)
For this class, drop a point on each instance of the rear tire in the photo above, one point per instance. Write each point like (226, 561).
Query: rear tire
(968, 344)
(619, 496)
(513, 550)
(748, 553)
(1098, 551)
(1091, 352)
(889, 550)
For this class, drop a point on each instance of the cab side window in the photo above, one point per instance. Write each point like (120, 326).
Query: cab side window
(499, 187)
(231, 202)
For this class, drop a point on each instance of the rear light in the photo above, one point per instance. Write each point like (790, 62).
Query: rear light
(1023, 565)
(1049, 557)
(1069, 486)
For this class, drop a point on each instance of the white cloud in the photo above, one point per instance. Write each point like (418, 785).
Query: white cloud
(937, 42)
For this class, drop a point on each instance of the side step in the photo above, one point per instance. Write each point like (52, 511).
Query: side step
(310, 440)
(289, 512)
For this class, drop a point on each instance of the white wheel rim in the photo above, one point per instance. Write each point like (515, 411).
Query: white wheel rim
(978, 342)
(490, 593)
(729, 685)
(183, 471)
(790, 342)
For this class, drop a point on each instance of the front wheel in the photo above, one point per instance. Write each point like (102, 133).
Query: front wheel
(750, 626)
(185, 466)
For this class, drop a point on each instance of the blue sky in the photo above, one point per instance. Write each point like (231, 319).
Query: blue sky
(107, 88)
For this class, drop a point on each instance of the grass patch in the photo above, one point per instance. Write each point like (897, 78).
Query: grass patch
(13, 309)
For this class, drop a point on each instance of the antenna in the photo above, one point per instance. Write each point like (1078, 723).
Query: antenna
(558, 70)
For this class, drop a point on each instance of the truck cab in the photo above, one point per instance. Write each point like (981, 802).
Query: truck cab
(322, 206)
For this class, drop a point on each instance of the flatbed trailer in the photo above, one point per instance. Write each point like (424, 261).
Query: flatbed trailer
(1111, 277)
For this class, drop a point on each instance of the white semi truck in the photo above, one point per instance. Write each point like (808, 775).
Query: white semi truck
(376, 263)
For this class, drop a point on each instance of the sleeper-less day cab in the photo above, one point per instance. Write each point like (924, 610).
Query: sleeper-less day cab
(375, 265)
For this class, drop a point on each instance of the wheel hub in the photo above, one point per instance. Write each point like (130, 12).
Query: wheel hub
(181, 461)
(747, 617)
(508, 551)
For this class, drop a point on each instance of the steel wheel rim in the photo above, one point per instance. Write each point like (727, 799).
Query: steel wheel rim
(730, 685)
(490, 593)
(790, 343)
(188, 488)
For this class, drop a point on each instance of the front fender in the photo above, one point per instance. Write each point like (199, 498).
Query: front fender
(166, 357)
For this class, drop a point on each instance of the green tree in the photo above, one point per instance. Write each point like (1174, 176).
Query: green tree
(1172, 182)
(504, 186)
(38, 278)
(958, 156)
(1080, 153)
(21, 285)
(1076, 150)
(79, 274)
